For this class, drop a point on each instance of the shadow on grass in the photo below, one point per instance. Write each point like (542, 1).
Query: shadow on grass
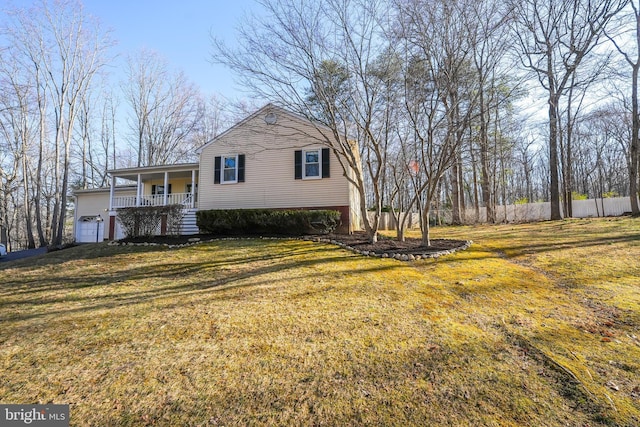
(492, 251)
(75, 253)
(117, 275)
(275, 262)
(539, 247)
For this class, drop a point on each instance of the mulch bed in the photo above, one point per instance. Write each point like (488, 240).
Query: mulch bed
(410, 246)
(357, 241)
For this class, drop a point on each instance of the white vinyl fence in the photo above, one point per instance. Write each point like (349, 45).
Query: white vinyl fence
(528, 212)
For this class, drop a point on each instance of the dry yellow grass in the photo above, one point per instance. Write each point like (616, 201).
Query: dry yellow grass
(534, 325)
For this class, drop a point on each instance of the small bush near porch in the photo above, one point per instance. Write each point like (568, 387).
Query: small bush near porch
(146, 220)
(267, 221)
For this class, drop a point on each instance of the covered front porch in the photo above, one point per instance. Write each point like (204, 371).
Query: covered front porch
(157, 186)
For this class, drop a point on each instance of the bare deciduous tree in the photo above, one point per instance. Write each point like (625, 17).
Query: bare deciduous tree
(295, 54)
(441, 94)
(493, 41)
(555, 37)
(633, 60)
(60, 50)
(167, 110)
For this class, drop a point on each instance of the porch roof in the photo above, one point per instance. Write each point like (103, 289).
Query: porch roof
(119, 188)
(182, 169)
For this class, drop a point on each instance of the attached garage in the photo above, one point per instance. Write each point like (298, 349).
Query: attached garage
(91, 207)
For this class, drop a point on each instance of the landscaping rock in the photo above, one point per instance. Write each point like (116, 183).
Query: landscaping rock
(408, 250)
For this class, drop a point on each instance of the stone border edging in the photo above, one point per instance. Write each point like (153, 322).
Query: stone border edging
(396, 256)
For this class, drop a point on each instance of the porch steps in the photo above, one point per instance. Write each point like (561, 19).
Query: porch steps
(189, 225)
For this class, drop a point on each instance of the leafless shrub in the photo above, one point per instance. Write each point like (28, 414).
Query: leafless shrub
(146, 220)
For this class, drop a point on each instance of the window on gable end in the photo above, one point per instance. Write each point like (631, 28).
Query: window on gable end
(229, 169)
(312, 164)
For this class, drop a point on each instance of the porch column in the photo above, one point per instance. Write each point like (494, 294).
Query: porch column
(166, 189)
(112, 192)
(139, 190)
(193, 188)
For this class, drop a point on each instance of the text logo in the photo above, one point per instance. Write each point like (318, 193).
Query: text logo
(34, 415)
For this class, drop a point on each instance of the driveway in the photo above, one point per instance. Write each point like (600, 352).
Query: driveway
(12, 256)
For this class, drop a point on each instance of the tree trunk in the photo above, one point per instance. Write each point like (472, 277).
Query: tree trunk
(59, 235)
(31, 243)
(426, 230)
(553, 158)
(455, 193)
(462, 206)
(485, 180)
(400, 229)
(476, 194)
(38, 196)
(56, 185)
(635, 130)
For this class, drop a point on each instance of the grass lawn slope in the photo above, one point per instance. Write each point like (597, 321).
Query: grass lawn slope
(535, 325)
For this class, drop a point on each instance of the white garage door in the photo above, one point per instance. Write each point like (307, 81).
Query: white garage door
(89, 230)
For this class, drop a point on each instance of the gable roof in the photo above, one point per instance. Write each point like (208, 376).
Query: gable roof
(264, 110)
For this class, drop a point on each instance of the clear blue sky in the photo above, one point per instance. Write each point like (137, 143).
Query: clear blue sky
(179, 30)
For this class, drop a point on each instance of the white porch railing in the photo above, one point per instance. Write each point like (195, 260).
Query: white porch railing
(185, 199)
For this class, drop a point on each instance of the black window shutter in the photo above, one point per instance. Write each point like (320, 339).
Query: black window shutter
(153, 189)
(216, 170)
(241, 168)
(169, 189)
(298, 164)
(326, 165)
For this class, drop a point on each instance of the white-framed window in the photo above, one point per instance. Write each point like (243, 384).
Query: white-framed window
(229, 169)
(311, 164)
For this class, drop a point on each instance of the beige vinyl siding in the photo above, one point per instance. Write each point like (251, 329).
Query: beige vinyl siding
(97, 202)
(269, 168)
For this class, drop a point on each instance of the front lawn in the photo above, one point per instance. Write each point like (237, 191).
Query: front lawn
(535, 324)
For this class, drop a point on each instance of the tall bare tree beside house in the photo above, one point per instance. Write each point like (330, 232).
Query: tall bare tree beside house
(108, 113)
(78, 54)
(167, 110)
(17, 126)
(440, 96)
(143, 90)
(33, 50)
(65, 49)
(84, 143)
(555, 37)
(94, 140)
(283, 56)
